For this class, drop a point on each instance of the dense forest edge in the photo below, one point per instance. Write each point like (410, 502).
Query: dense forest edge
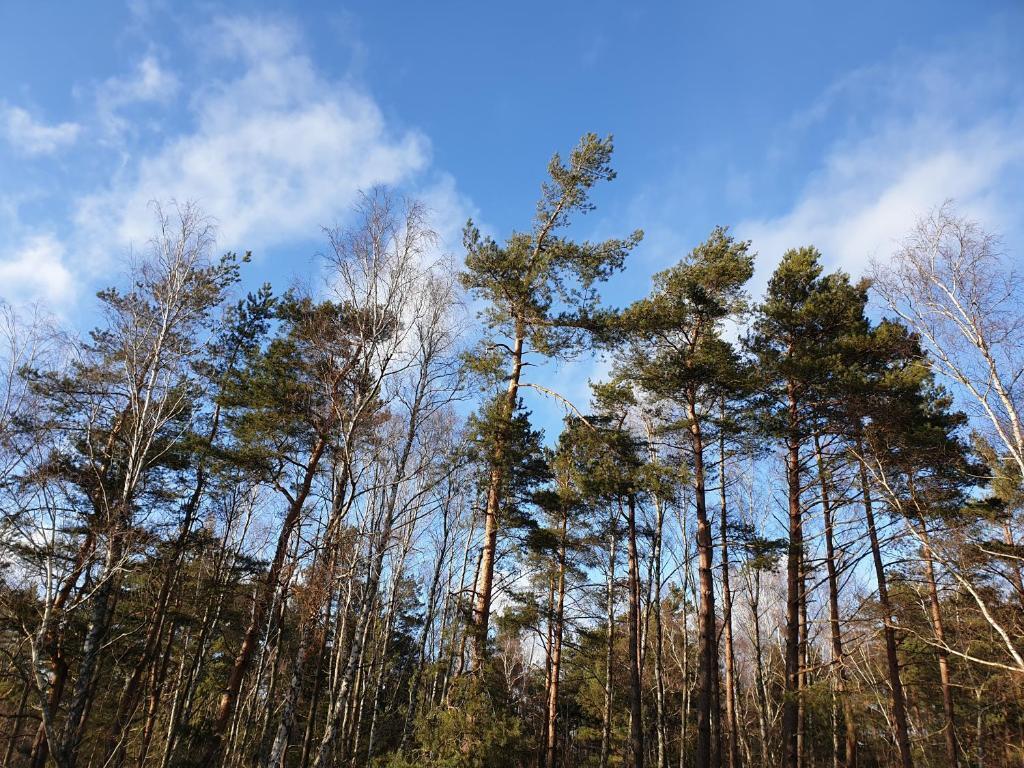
(319, 526)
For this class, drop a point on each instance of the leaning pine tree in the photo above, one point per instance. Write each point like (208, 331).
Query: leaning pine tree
(538, 290)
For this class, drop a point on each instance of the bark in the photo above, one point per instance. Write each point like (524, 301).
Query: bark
(385, 640)
(760, 682)
(50, 637)
(81, 698)
(339, 718)
(636, 730)
(899, 705)
(732, 729)
(15, 734)
(606, 715)
(430, 611)
(801, 716)
(844, 736)
(708, 748)
(938, 626)
(551, 748)
(792, 691)
(659, 644)
(496, 481)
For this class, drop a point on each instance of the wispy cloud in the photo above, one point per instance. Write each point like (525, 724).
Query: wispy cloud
(30, 136)
(276, 149)
(912, 134)
(150, 82)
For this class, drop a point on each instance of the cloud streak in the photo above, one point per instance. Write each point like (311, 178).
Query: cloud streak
(30, 136)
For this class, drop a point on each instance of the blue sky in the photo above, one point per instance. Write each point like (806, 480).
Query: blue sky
(793, 122)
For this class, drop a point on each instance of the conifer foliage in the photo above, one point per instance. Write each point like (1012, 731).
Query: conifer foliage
(322, 527)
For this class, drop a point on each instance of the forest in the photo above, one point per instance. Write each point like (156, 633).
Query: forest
(318, 525)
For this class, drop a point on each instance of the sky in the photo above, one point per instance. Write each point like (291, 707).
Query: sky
(832, 124)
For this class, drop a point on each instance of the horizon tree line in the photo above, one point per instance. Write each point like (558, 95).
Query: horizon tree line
(321, 528)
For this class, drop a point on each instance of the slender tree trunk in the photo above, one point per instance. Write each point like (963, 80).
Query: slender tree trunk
(1016, 567)
(81, 698)
(398, 570)
(551, 748)
(792, 692)
(606, 715)
(51, 638)
(338, 713)
(485, 577)
(801, 717)
(549, 646)
(636, 735)
(844, 736)
(708, 752)
(430, 612)
(659, 640)
(19, 718)
(732, 729)
(760, 682)
(318, 684)
(132, 692)
(899, 704)
(156, 690)
(229, 697)
(938, 626)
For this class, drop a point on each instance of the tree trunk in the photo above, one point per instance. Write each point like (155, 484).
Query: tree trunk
(899, 705)
(659, 641)
(732, 748)
(708, 752)
(81, 698)
(485, 577)
(792, 693)
(938, 626)
(844, 735)
(19, 717)
(636, 729)
(551, 748)
(606, 715)
(801, 710)
(229, 697)
(760, 683)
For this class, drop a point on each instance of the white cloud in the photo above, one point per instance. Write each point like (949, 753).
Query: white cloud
(276, 150)
(32, 137)
(35, 271)
(917, 133)
(867, 196)
(149, 82)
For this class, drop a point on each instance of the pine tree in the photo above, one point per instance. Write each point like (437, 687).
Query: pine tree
(797, 338)
(674, 351)
(539, 292)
